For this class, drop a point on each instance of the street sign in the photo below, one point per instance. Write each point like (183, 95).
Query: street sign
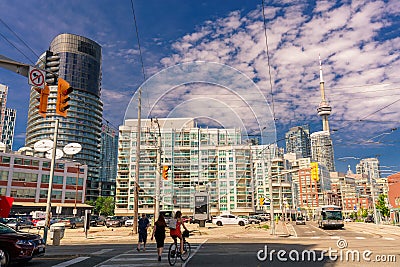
(355, 207)
(36, 77)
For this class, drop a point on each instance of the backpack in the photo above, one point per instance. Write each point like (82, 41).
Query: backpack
(172, 224)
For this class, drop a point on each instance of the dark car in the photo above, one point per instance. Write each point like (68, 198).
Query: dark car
(19, 246)
(369, 219)
(116, 221)
(72, 222)
(300, 220)
(97, 220)
(19, 223)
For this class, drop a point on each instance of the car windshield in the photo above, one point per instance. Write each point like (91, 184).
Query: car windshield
(299, 218)
(5, 229)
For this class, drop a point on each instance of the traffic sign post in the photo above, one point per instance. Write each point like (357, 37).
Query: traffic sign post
(36, 77)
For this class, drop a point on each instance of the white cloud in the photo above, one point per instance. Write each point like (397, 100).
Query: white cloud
(345, 35)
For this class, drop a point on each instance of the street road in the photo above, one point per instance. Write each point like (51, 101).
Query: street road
(359, 244)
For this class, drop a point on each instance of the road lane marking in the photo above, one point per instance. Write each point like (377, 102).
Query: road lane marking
(71, 262)
(102, 251)
(315, 237)
(335, 237)
(194, 252)
(389, 238)
(360, 237)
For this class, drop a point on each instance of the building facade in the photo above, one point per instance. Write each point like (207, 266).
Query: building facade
(26, 179)
(108, 159)
(369, 167)
(200, 159)
(298, 141)
(7, 119)
(322, 149)
(80, 65)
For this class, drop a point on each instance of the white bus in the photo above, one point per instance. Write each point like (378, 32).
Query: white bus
(330, 216)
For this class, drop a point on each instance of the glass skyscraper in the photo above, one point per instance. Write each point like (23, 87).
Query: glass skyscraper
(80, 65)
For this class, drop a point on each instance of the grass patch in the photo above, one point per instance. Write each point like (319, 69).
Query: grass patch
(265, 226)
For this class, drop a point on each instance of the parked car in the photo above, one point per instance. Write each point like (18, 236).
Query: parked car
(300, 220)
(369, 219)
(129, 222)
(72, 222)
(347, 220)
(96, 220)
(19, 246)
(116, 221)
(264, 217)
(253, 219)
(229, 219)
(41, 223)
(17, 224)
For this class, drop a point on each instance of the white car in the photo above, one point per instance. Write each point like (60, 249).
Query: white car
(229, 219)
(129, 222)
(348, 220)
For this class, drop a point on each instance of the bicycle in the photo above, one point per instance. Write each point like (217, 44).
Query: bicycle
(174, 250)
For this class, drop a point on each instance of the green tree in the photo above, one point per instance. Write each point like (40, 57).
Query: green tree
(103, 206)
(381, 205)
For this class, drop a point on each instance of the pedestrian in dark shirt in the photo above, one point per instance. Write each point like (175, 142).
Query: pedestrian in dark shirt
(159, 234)
(143, 224)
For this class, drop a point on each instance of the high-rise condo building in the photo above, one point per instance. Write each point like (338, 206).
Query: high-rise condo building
(80, 66)
(298, 141)
(7, 119)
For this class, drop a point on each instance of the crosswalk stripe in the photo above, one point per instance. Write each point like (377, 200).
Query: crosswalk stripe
(100, 252)
(389, 238)
(70, 262)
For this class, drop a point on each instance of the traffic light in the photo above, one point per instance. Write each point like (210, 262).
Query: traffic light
(44, 95)
(64, 89)
(52, 66)
(165, 170)
(262, 201)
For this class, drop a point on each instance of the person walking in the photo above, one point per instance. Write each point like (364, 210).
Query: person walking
(159, 234)
(143, 224)
(176, 233)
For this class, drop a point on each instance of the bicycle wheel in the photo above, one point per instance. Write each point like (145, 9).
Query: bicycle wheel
(172, 254)
(186, 251)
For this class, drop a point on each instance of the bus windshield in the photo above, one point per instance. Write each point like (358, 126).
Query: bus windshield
(332, 215)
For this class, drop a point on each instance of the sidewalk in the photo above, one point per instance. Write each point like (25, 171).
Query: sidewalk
(125, 235)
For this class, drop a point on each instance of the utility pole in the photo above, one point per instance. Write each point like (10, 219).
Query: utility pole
(137, 172)
(271, 201)
(158, 173)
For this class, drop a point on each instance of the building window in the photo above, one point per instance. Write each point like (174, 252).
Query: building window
(25, 177)
(3, 177)
(5, 159)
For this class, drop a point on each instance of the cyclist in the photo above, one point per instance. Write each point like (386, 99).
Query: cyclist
(176, 233)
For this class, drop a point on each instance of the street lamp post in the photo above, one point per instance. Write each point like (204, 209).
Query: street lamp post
(76, 187)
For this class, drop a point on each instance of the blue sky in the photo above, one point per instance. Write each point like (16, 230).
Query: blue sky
(358, 42)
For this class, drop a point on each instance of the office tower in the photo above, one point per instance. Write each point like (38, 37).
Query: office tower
(7, 119)
(322, 149)
(298, 141)
(80, 65)
(108, 159)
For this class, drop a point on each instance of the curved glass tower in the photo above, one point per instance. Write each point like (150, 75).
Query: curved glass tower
(80, 65)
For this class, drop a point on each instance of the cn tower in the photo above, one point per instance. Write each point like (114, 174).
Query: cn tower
(324, 109)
